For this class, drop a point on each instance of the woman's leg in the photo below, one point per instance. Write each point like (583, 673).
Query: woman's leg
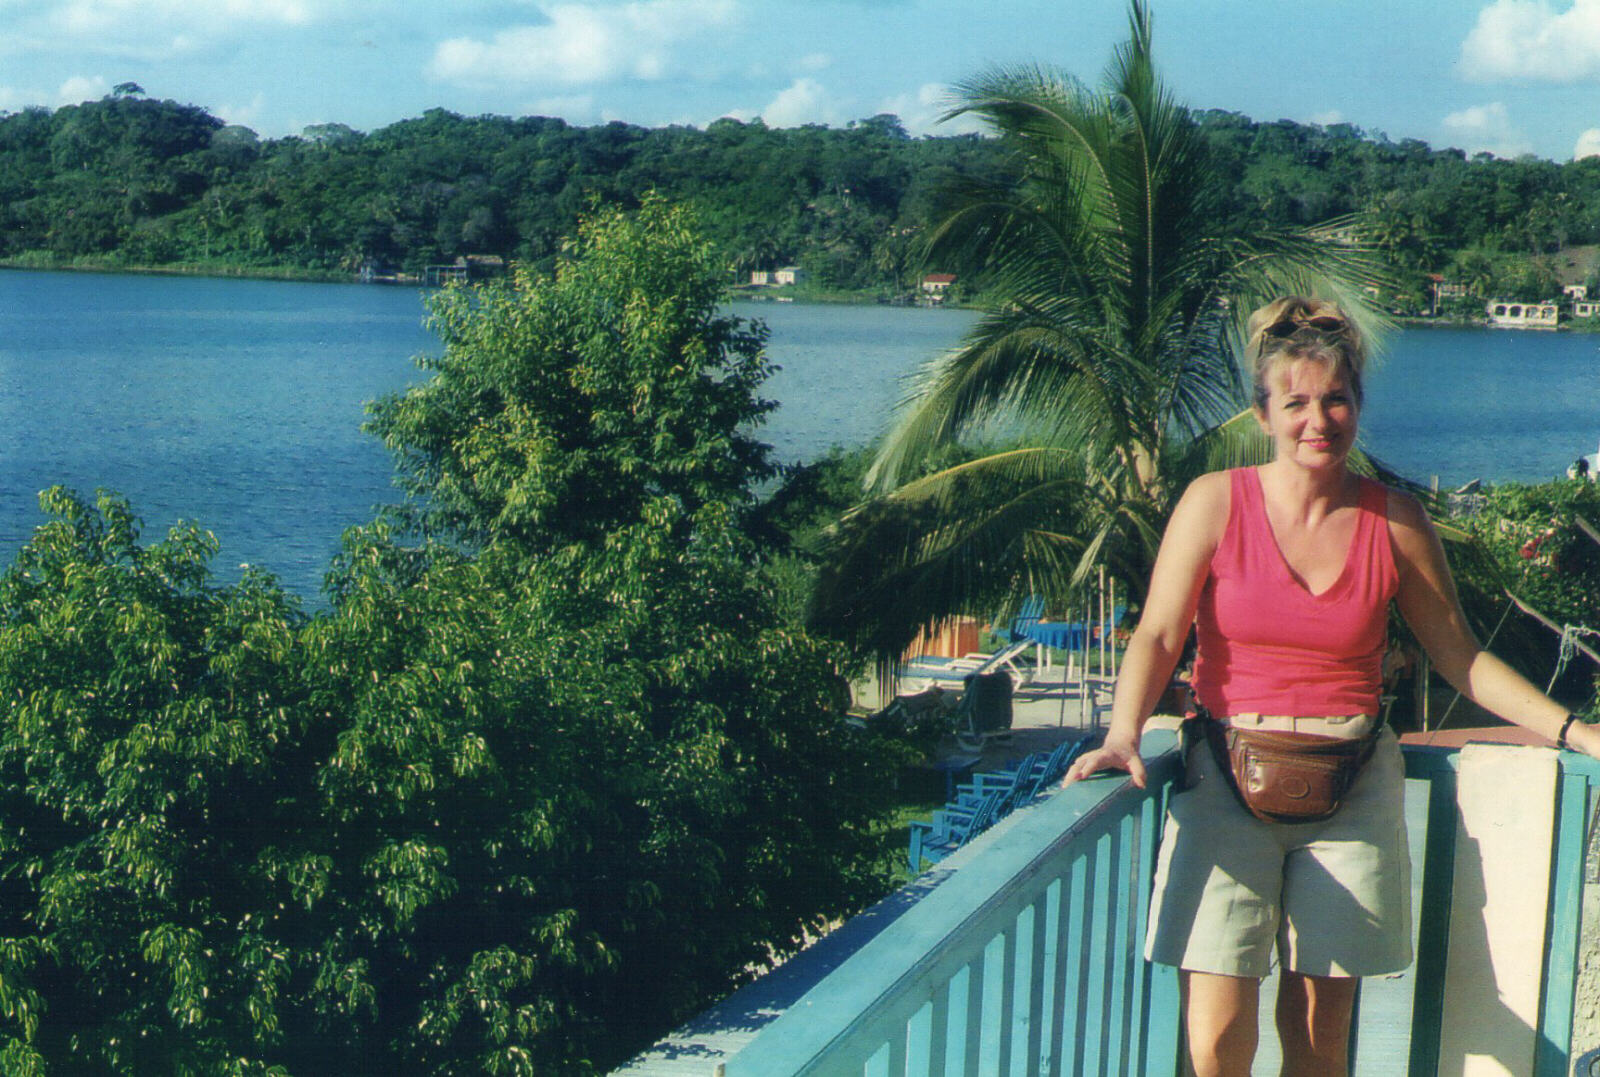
(1220, 1017)
(1313, 1017)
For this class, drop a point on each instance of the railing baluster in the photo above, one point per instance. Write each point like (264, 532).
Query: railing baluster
(1036, 977)
(897, 1053)
(1064, 1020)
(939, 1030)
(1006, 1021)
(974, 1033)
(1119, 964)
(1433, 938)
(1566, 915)
(1125, 965)
(1157, 1002)
(1091, 993)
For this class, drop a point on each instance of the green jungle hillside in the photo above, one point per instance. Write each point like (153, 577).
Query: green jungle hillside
(134, 182)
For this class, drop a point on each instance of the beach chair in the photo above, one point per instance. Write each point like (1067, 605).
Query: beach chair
(909, 711)
(951, 828)
(984, 712)
(1028, 614)
(1091, 694)
(1015, 785)
(926, 670)
(1034, 775)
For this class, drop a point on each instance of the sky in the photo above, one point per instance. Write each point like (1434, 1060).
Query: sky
(1504, 76)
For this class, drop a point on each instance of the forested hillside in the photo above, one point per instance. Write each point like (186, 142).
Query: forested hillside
(134, 181)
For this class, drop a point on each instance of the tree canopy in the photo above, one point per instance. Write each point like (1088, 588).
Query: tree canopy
(134, 180)
(531, 791)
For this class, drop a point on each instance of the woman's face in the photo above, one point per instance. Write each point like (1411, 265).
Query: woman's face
(1310, 414)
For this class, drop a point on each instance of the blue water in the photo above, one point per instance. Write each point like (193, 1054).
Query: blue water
(238, 404)
(1499, 405)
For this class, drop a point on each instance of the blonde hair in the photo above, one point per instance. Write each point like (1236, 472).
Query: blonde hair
(1295, 327)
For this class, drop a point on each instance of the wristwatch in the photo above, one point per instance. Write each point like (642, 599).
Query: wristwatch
(1561, 738)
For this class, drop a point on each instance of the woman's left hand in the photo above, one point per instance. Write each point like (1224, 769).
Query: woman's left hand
(1585, 738)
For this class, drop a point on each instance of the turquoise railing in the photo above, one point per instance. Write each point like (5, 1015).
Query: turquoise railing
(1022, 954)
(977, 976)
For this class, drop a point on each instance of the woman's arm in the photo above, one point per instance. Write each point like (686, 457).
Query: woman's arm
(1429, 604)
(1175, 583)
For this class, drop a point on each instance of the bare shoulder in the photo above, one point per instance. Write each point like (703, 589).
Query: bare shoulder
(1405, 510)
(1211, 485)
(1208, 497)
(1201, 514)
(1410, 529)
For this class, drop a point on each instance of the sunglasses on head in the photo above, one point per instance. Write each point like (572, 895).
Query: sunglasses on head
(1322, 323)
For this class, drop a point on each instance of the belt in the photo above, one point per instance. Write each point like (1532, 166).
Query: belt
(1343, 726)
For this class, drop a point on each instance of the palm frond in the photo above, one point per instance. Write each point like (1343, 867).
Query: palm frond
(901, 562)
(1112, 345)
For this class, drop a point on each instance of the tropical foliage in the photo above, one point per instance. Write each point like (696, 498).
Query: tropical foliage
(1543, 542)
(1106, 363)
(132, 180)
(561, 408)
(532, 790)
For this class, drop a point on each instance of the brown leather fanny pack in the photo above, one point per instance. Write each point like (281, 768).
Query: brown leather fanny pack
(1288, 777)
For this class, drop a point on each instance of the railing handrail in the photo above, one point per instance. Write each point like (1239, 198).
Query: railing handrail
(969, 899)
(1019, 907)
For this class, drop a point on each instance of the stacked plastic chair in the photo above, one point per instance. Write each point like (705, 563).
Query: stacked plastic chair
(987, 798)
(951, 827)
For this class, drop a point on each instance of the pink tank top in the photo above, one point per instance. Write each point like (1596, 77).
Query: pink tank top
(1269, 646)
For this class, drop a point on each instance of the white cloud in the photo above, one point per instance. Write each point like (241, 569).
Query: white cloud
(919, 112)
(583, 43)
(82, 88)
(814, 61)
(1527, 39)
(244, 115)
(803, 101)
(98, 16)
(157, 31)
(1588, 144)
(1487, 128)
(1328, 118)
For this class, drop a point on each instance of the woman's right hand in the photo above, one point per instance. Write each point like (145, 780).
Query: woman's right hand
(1115, 754)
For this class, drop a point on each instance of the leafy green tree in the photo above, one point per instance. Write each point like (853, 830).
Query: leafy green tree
(562, 407)
(153, 737)
(588, 435)
(515, 805)
(1106, 353)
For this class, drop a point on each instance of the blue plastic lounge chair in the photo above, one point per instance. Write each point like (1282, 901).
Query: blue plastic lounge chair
(1031, 611)
(934, 669)
(1012, 785)
(950, 829)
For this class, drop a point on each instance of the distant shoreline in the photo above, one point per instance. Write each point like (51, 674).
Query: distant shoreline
(219, 272)
(810, 296)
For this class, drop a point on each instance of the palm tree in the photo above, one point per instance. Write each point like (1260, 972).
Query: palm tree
(1106, 366)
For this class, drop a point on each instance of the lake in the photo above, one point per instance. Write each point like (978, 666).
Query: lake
(238, 404)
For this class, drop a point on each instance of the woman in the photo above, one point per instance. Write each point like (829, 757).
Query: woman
(1286, 571)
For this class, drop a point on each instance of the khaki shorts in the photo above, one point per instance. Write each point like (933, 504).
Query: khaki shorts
(1334, 897)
